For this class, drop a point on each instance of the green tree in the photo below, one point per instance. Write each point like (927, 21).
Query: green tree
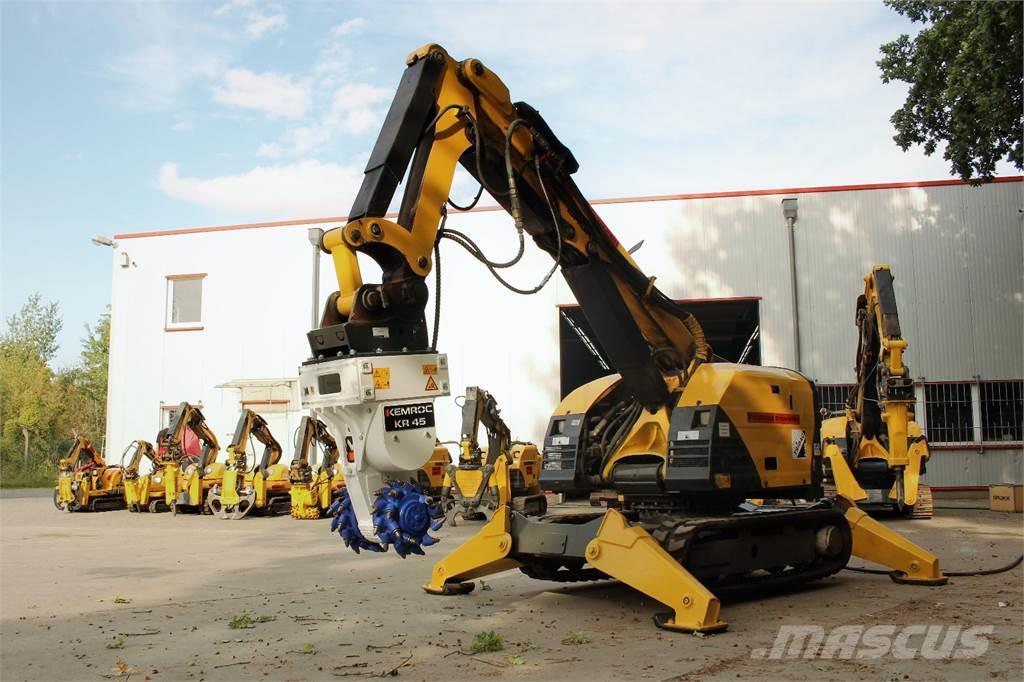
(31, 401)
(42, 409)
(966, 77)
(33, 330)
(90, 379)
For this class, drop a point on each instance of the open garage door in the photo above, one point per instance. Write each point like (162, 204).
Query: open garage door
(732, 327)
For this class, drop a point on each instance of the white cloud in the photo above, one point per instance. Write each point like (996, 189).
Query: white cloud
(354, 107)
(347, 27)
(359, 121)
(230, 6)
(262, 23)
(359, 95)
(154, 76)
(271, 93)
(305, 188)
(161, 52)
(305, 139)
(270, 150)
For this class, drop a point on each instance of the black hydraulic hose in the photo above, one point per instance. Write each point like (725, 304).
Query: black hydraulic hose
(465, 242)
(437, 279)
(472, 204)
(951, 574)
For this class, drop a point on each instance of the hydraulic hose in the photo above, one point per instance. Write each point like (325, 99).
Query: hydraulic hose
(952, 574)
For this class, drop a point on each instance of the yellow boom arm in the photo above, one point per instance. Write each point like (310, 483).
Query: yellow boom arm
(445, 113)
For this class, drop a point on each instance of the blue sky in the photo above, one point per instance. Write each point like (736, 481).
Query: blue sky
(119, 117)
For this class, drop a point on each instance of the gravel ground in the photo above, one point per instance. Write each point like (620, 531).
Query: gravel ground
(116, 595)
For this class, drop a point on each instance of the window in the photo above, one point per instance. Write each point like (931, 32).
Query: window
(949, 413)
(1002, 411)
(184, 302)
(832, 397)
(169, 411)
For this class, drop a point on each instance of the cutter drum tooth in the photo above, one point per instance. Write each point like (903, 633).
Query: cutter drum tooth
(402, 514)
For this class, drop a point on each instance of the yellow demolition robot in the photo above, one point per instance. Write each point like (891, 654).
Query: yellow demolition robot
(487, 478)
(265, 489)
(694, 439)
(85, 482)
(875, 454)
(188, 479)
(143, 492)
(312, 491)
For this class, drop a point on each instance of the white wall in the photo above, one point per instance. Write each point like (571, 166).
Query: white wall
(956, 253)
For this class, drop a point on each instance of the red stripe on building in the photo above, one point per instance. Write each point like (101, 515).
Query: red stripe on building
(341, 220)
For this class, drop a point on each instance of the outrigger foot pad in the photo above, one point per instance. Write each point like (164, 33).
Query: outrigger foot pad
(451, 589)
(901, 578)
(666, 621)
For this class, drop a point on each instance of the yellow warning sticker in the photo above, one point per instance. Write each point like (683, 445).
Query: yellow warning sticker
(431, 384)
(382, 377)
(429, 369)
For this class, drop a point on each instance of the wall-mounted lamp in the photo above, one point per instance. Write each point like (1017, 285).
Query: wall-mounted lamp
(101, 240)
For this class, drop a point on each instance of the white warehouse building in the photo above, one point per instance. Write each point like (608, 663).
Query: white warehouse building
(218, 315)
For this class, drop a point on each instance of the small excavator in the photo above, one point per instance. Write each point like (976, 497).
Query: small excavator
(85, 482)
(505, 472)
(188, 479)
(699, 438)
(143, 492)
(875, 453)
(265, 489)
(313, 490)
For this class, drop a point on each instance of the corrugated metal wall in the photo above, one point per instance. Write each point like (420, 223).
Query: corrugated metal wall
(958, 257)
(957, 253)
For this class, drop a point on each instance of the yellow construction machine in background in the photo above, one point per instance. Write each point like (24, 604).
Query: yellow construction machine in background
(312, 490)
(431, 475)
(143, 492)
(85, 482)
(189, 479)
(875, 454)
(502, 473)
(263, 489)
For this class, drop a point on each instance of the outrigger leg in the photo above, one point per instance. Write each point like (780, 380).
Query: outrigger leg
(610, 544)
(873, 541)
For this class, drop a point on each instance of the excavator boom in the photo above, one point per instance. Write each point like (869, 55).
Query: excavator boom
(445, 113)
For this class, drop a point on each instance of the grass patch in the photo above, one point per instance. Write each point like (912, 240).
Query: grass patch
(28, 481)
(118, 643)
(308, 648)
(485, 642)
(576, 638)
(245, 620)
(122, 600)
(516, 660)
